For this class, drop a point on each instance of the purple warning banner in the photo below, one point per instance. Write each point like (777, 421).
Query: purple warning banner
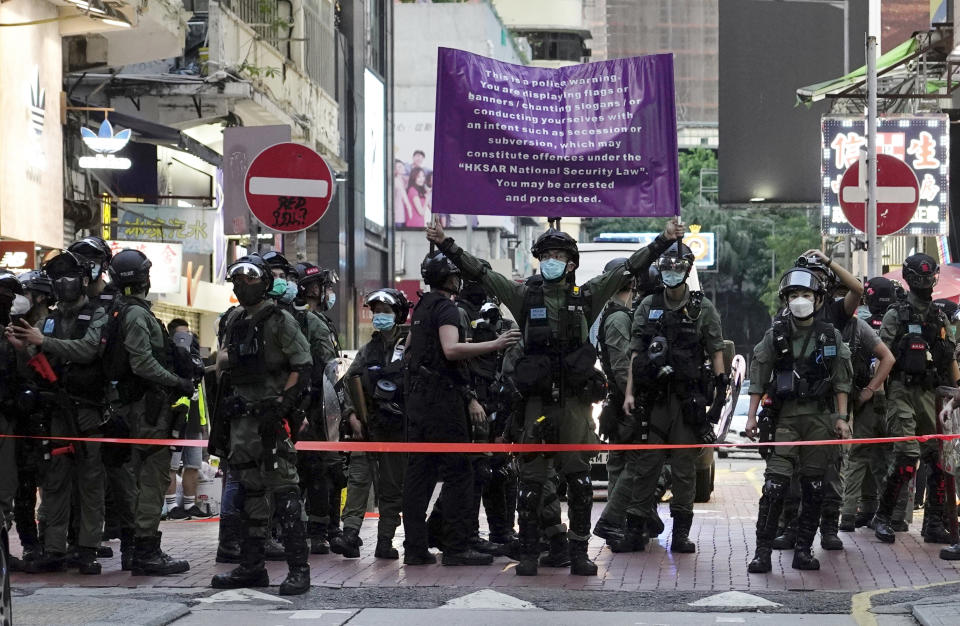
(594, 140)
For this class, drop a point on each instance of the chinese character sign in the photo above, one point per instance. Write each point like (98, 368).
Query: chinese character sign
(921, 141)
(166, 259)
(593, 140)
(195, 228)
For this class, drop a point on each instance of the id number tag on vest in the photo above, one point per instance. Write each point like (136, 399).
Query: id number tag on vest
(914, 329)
(539, 313)
(655, 314)
(48, 326)
(829, 350)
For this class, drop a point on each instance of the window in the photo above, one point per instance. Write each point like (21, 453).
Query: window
(551, 46)
(376, 36)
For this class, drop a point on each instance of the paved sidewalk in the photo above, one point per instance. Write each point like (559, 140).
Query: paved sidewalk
(723, 530)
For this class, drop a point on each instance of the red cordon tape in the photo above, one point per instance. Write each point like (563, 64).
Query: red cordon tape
(474, 448)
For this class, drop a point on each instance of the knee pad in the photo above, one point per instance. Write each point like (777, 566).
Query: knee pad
(288, 505)
(579, 482)
(776, 486)
(528, 500)
(816, 484)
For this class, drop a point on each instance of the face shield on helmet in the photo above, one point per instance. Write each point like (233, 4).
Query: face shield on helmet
(491, 312)
(807, 288)
(250, 281)
(921, 272)
(69, 276)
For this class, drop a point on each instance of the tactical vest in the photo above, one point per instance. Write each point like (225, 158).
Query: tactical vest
(425, 350)
(685, 353)
(612, 308)
(922, 346)
(860, 358)
(382, 381)
(483, 367)
(244, 337)
(809, 378)
(79, 379)
(538, 336)
(333, 330)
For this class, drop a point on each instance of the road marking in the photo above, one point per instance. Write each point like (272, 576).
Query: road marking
(860, 603)
(488, 599)
(243, 595)
(733, 598)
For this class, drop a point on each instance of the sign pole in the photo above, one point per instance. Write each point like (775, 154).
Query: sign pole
(873, 252)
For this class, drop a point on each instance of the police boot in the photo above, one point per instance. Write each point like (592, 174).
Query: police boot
(606, 530)
(864, 518)
(768, 518)
(813, 491)
(902, 474)
(231, 534)
(633, 537)
(385, 549)
(934, 530)
(435, 528)
(127, 549)
(829, 525)
(951, 554)
(250, 573)
(150, 560)
(786, 539)
(289, 509)
(274, 551)
(528, 505)
(580, 564)
(49, 562)
(31, 552)
(559, 552)
(680, 542)
(104, 552)
(347, 544)
(317, 532)
(848, 523)
(87, 562)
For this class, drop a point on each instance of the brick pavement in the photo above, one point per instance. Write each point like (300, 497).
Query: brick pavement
(723, 530)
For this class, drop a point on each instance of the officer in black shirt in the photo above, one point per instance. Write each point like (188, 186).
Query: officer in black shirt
(438, 401)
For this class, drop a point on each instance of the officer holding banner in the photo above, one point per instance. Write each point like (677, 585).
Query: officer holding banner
(556, 373)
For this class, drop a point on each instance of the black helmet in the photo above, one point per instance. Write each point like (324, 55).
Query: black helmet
(66, 264)
(920, 271)
(394, 298)
(879, 293)
(130, 268)
(437, 268)
(275, 260)
(306, 273)
(490, 311)
(9, 285)
(800, 278)
(95, 250)
(613, 264)
(554, 239)
(950, 308)
(252, 266)
(677, 258)
(38, 281)
(818, 267)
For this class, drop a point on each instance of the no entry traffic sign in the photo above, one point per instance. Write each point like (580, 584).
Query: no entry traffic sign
(898, 194)
(288, 187)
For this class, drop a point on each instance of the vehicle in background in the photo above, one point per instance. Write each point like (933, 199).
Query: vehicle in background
(735, 430)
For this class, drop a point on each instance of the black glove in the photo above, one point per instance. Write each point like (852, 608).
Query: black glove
(185, 387)
(288, 401)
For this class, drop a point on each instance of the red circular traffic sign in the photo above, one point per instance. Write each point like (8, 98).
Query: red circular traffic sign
(288, 187)
(898, 194)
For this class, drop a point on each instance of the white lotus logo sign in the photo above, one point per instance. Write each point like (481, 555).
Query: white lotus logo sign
(105, 143)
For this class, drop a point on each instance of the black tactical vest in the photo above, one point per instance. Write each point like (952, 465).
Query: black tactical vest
(244, 338)
(425, 350)
(685, 352)
(79, 379)
(922, 346)
(809, 378)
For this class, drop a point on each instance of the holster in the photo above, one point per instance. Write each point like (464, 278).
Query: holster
(767, 425)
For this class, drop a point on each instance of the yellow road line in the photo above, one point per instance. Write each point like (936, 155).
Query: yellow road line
(860, 604)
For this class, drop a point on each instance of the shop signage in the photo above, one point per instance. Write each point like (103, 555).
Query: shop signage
(167, 260)
(17, 255)
(195, 228)
(105, 143)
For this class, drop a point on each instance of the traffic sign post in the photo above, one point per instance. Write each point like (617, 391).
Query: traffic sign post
(898, 194)
(288, 187)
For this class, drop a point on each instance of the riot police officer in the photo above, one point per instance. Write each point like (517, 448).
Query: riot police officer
(616, 426)
(377, 416)
(38, 291)
(10, 415)
(675, 333)
(438, 402)
(136, 360)
(556, 373)
(71, 403)
(864, 466)
(265, 361)
(917, 334)
(800, 364)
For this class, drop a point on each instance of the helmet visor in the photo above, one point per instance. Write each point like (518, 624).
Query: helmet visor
(800, 279)
(916, 280)
(381, 296)
(246, 270)
(672, 264)
(62, 265)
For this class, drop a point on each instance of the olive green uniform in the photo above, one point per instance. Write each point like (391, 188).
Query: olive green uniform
(149, 416)
(387, 467)
(616, 340)
(667, 424)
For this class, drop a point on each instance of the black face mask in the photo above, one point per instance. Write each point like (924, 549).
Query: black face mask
(68, 288)
(923, 294)
(248, 295)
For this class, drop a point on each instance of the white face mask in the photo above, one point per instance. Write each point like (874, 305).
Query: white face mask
(801, 308)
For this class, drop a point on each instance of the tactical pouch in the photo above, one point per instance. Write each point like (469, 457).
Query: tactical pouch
(609, 418)
(580, 365)
(912, 359)
(533, 374)
(153, 401)
(786, 384)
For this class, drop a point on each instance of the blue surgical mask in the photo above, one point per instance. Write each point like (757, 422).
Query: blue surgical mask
(863, 312)
(672, 278)
(384, 321)
(278, 289)
(331, 300)
(552, 269)
(290, 294)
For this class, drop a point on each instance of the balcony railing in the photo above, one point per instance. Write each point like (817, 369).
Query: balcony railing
(263, 16)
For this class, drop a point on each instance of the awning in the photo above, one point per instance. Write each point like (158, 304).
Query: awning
(818, 91)
(947, 287)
